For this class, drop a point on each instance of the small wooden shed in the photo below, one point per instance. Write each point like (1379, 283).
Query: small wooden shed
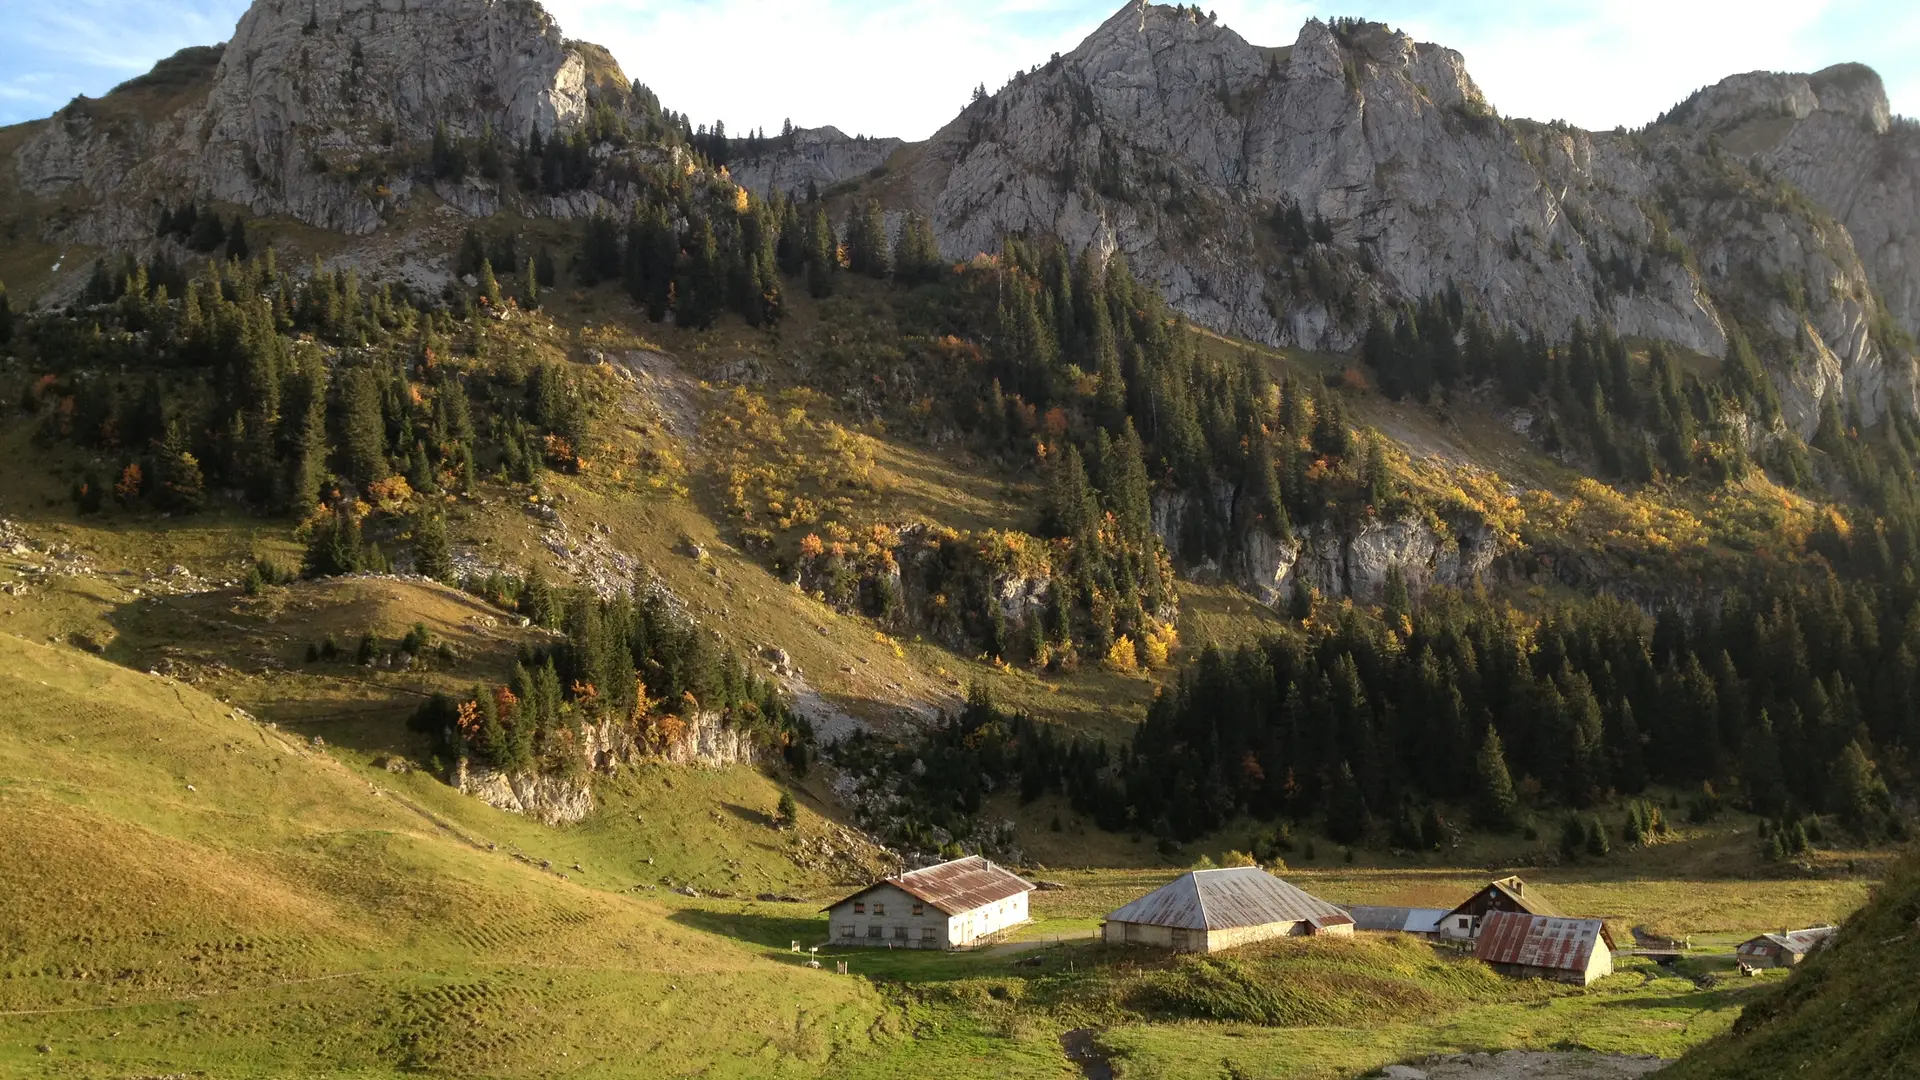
(948, 906)
(1526, 946)
(1784, 949)
(1209, 910)
(1464, 922)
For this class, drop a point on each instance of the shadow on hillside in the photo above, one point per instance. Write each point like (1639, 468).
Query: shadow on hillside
(751, 817)
(777, 933)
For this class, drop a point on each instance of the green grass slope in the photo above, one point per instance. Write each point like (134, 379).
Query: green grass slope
(188, 891)
(1850, 1012)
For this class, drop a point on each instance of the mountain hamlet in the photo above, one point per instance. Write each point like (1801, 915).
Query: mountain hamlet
(1159, 579)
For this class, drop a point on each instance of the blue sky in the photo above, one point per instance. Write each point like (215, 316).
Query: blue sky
(904, 67)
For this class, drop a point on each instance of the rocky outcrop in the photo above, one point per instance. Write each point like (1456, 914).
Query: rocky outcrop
(1343, 562)
(564, 796)
(820, 157)
(550, 798)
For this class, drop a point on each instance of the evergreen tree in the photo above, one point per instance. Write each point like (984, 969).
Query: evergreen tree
(1495, 805)
(335, 547)
(364, 428)
(1348, 820)
(489, 285)
(530, 286)
(237, 246)
(432, 554)
(867, 242)
(823, 260)
(180, 484)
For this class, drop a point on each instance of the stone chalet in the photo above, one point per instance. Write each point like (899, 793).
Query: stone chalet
(949, 906)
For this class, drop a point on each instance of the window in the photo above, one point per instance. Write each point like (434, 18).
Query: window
(919, 909)
(879, 908)
(899, 933)
(873, 932)
(860, 908)
(846, 930)
(1464, 922)
(1133, 931)
(927, 934)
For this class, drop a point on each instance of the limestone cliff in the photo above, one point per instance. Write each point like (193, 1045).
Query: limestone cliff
(317, 109)
(816, 157)
(565, 796)
(1168, 138)
(1281, 194)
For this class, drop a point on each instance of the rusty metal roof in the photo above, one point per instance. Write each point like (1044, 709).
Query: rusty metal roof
(1229, 897)
(954, 887)
(1395, 919)
(1542, 941)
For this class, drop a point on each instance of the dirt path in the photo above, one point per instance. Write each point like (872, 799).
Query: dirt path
(1081, 1048)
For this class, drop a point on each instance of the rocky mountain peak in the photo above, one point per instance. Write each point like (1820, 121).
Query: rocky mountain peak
(316, 106)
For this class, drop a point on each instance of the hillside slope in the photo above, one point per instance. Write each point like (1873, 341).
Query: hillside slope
(1850, 1012)
(195, 891)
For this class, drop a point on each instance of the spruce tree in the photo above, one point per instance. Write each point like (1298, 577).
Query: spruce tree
(1348, 821)
(364, 434)
(489, 285)
(1495, 805)
(530, 286)
(335, 547)
(432, 554)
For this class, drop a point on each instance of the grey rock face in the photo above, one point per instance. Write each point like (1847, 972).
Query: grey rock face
(1170, 139)
(314, 107)
(1833, 136)
(822, 157)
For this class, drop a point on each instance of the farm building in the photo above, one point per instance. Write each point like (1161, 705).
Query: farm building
(948, 906)
(1396, 920)
(1545, 947)
(1209, 910)
(1784, 949)
(1506, 894)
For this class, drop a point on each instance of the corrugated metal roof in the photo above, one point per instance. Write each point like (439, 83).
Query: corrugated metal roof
(1398, 920)
(1517, 892)
(1800, 941)
(954, 887)
(1228, 897)
(1542, 941)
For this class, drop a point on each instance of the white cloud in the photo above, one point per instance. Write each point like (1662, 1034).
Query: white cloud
(867, 68)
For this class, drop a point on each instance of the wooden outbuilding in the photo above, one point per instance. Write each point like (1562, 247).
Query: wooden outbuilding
(1784, 949)
(949, 906)
(1463, 923)
(1209, 910)
(1527, 946)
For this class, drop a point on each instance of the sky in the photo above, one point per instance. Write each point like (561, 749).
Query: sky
(905, 67)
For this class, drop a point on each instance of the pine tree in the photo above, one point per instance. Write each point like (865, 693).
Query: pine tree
(180, 483)
(432, 554)
(335, 548)
(823, 259)
(1495, 804)
(787, 814)
(1597, 844)
(364, 434)
(530, 286)
(489, 285)
(1348, 821)
(237, 246)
